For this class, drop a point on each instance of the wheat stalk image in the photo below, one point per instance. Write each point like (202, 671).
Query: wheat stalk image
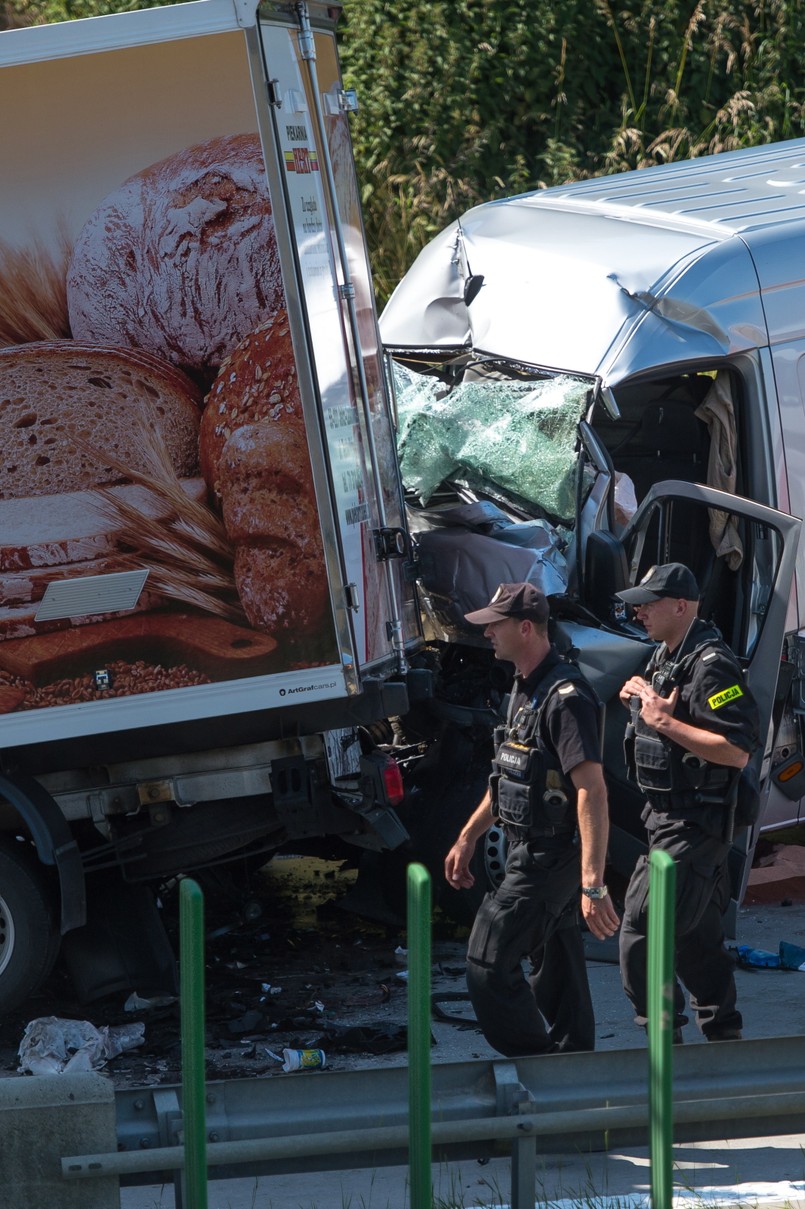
(185, 550)
(33, 291)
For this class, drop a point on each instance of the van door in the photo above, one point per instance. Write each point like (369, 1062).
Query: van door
(677, 522)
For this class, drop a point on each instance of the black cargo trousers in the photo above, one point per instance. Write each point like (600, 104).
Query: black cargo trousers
(702, 895)
(533, 913)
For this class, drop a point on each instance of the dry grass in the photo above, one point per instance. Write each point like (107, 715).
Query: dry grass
(33, 291)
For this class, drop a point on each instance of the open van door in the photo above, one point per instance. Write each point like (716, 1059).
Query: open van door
(746, 593)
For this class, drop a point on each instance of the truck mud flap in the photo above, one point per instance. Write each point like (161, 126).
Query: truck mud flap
(54, 842)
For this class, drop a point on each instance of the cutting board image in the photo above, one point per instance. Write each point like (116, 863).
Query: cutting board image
(208, 644)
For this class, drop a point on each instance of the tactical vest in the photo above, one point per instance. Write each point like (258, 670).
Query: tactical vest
(531, 797)
(673, 779)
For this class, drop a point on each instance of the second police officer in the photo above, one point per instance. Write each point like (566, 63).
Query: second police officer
(694, 725)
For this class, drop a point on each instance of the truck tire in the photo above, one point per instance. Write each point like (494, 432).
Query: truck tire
(29, 933)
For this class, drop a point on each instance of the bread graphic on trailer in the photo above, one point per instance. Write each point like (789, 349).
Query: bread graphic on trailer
(52, 392)
(255, 459)
(182, 258)
(175, 273)
(257, 382)
(75, 419)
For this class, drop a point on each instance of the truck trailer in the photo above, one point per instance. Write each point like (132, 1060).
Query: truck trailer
(205, 617)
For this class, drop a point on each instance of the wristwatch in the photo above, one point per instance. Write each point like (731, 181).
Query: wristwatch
(595, 891)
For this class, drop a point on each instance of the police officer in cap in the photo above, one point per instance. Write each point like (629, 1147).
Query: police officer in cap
(547, 788)
(694, 725)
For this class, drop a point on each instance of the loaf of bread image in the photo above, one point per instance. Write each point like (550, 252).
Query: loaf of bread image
(65, 404)
(254, 456)
(181, 259)
(256, 382)
(269, 511)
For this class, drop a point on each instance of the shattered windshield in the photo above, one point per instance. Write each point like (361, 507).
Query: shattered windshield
(515, 437)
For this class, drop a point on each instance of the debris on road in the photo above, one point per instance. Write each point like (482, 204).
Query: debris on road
(51, 1046)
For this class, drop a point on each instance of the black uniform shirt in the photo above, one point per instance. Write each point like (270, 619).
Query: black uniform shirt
(570, 719)
(713, 694)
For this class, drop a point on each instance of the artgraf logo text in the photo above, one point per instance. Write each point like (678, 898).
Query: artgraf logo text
(307, 688)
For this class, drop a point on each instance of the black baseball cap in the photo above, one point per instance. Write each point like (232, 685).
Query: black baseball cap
(513, 600)
(669, 579)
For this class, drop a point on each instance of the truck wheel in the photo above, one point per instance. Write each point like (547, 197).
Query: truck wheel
(29, 935)
(488, 866)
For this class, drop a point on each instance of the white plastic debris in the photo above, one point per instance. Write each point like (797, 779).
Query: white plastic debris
(51, 1046)
(139, 1003)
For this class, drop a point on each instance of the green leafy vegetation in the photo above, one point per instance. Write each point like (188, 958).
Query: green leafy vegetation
(466, 100)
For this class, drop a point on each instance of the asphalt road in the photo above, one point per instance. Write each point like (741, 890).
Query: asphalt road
(758, 1170)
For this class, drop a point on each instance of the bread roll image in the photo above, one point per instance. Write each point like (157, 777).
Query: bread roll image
(254, 457)
(181, 259)
(283, 589)
(64, 404)
(269, 512)
(256, 382)
(267, 487)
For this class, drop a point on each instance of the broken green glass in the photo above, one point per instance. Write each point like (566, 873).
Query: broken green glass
(519, 438)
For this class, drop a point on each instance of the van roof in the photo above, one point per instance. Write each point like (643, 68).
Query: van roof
(735, 191)
(615, 275)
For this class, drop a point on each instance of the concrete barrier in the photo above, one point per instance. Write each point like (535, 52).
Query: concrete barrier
(44, 1118)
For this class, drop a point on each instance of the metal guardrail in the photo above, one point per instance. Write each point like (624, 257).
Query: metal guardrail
(335, 1120)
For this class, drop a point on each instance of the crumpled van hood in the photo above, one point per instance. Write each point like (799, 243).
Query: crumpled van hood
(607, 277)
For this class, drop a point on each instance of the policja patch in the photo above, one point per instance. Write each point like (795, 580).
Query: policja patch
(726, 695)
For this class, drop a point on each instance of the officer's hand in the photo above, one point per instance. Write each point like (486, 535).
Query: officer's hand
(632, 688)
(457, 866)
(654, 709)
(600, 916)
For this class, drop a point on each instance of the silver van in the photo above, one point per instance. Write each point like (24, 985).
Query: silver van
(598, 377)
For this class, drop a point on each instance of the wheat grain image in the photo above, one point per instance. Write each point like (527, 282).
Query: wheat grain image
(33, 291)
(185, 550)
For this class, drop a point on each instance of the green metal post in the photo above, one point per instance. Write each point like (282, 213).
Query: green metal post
(191, 979)
(419, 1073)
(661, 900)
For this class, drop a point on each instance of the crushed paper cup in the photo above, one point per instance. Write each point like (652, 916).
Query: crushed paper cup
(303, 1059)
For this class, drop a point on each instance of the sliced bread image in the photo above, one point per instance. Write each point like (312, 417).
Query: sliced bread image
(66, 405)
(28, 587)
(58, 530)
